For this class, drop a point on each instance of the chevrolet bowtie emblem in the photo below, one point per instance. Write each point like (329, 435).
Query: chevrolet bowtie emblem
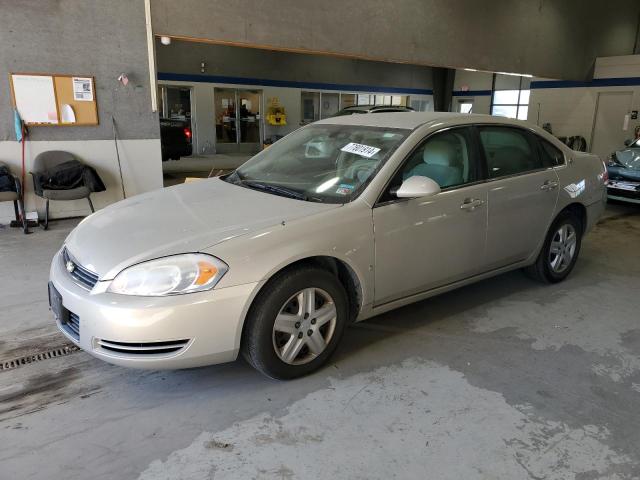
(70, 267)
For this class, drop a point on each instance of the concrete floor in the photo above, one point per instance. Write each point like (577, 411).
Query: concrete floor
(505, 379)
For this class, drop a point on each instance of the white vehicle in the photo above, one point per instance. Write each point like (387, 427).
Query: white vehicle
(277, 258)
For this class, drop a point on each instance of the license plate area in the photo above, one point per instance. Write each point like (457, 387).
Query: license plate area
(60, 313)
(621, 185)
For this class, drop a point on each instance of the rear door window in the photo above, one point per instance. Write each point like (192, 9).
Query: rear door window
(508, 151)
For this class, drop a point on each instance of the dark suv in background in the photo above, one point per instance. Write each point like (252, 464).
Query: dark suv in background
(175, 138)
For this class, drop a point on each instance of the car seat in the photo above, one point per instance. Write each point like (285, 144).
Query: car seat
(438, 163)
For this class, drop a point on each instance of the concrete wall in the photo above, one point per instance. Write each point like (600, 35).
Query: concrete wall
(102, 38)
(553, 38)
(570, 107)
(185, 57)
(259, 69)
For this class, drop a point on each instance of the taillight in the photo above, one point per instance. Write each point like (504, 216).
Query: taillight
(187, 133)
(605, 174)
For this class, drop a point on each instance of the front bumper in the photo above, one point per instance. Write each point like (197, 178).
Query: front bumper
(624, 190)
(204, 327)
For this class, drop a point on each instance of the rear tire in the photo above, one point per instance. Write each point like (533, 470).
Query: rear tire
(560, 251)
(295, 323)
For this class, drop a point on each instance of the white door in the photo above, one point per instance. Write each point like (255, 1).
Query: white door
(609, 131)
(423, 243)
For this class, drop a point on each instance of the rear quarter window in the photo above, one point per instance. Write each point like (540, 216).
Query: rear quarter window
(551, 155)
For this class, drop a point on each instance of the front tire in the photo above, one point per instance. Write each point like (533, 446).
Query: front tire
(295, 323)
(560, 250)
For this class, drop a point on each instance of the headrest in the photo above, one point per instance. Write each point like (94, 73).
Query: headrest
(438, 152)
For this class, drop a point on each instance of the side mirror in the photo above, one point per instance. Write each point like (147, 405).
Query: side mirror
(417, 186)
(628, 142)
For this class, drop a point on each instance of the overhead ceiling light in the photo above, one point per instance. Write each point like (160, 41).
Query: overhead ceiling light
(165, 40)
(499, 73)
(515, 74)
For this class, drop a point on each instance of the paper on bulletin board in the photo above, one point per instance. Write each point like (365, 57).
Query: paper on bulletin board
(35, 98)
(82, 89)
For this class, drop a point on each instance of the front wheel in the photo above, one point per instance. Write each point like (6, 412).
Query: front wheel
(560, 250)
(295, 323)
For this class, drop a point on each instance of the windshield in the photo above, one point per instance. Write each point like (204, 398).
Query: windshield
(321, 163)
(630, 157)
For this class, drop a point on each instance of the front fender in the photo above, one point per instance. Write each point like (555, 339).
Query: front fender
(344, 233)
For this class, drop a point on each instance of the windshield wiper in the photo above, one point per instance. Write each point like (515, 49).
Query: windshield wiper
(275, 189)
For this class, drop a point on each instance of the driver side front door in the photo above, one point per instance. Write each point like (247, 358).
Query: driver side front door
(425, 243)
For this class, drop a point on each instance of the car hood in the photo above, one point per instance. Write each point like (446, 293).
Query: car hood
(185, 218)
(629, 157)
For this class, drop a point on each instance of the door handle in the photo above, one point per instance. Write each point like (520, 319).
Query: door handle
(471, 204)
(549, 185)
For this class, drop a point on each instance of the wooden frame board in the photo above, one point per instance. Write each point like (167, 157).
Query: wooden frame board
(35, 95)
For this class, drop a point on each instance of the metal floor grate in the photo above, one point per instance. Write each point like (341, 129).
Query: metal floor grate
(38, 357)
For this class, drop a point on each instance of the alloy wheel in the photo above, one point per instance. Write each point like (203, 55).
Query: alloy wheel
(304, 326)
(562, 248)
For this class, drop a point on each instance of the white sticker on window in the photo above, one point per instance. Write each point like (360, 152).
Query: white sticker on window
(360, 149)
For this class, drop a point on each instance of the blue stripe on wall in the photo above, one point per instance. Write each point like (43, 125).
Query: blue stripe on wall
(472, 93)
(598, 82)
(184, 77)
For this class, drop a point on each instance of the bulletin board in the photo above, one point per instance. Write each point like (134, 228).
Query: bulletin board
(44, 99)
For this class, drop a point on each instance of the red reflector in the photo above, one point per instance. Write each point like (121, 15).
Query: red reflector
(187, 133)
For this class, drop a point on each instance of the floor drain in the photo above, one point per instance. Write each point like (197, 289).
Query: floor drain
(38, 357)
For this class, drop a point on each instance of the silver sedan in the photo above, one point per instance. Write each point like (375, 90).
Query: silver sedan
(341, 220)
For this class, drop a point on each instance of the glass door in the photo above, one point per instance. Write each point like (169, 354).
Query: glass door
(225, 111)
(238, 120)
(330, 104)
(249, 102)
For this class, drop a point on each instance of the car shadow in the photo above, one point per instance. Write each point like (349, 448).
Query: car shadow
(442, 312)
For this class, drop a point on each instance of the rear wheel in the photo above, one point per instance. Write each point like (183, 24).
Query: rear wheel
(560, 250)
(295, 323)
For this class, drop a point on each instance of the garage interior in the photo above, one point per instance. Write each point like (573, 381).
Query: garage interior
(501, 379)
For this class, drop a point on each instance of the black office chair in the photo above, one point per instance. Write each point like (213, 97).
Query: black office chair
(14, 196)
(45, 162)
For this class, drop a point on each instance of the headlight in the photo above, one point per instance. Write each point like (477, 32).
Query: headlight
(174, 275)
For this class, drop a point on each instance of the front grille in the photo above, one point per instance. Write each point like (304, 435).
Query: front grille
(148, 348)
(83, 277)
(72, 326)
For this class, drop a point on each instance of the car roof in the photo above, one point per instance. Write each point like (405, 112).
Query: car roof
(412, 120)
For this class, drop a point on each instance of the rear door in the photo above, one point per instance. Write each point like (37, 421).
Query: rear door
(522, 194)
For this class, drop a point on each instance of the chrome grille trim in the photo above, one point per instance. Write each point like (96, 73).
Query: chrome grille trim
(83, 277)
(72, 326)
(143, 348)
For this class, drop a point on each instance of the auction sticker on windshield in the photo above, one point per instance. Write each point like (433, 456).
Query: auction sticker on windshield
(360, 149)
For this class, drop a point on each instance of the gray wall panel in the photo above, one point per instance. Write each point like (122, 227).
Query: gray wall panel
(185, 57)
(547, 38)
(102, 38)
